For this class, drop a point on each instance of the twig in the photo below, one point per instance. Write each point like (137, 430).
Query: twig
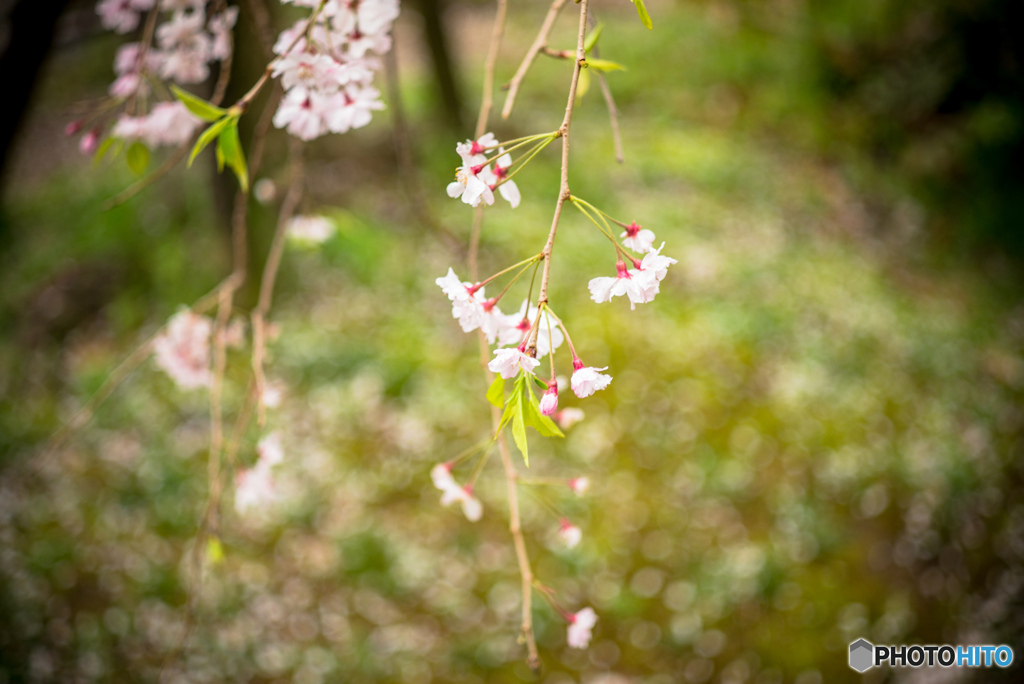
(266, 297)
(487, 100)
(564, 194)
(538, 44)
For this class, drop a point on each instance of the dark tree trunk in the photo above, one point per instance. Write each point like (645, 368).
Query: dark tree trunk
(437, 42)
(30, 30)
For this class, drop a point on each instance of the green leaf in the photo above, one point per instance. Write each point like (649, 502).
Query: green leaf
(519, 432)
(540, 383)
(230, 147)
(644, 16)
(510, 404)
(583, 85)
(541, 423)
(102, 151)
(605, 65)
(592, 38)
(220, 157)
(214, 551)
(496, 392)
(137, 158)
(207, 137)
(201, 108)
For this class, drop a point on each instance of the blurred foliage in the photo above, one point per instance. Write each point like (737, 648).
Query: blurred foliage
(813, 434)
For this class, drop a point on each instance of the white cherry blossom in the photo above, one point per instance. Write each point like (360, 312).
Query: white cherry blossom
(183, 349)
(587, 380)
(569, 534)
(637, 239)
(507, 362)
(579, 485)
(568, 417)
(580, 626)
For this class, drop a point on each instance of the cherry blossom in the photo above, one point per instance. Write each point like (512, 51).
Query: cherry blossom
(604, 288)
(587, 380)
(470, 187)
(351, 107)
(507, 362)
(254, 487)
(183, 349)
(657, 264)
(122, 16)
(549, 402)
(579, 485)
(441, 475)
(475, 181)
(330, 66)
(517, 325)
(580, 626)
(568, 417)
(310, 229)
(636, 238)
(302, 112)
(569, 534)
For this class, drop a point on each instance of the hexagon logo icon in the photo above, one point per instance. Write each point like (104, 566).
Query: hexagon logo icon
(862, 654)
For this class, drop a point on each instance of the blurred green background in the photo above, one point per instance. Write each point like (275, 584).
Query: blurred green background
(813, 434)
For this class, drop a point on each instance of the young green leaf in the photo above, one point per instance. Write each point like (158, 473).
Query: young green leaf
(137, 158)
(230, 147)
(201, 108)
(220, 157)
(644, 16)
(496, 392)
(510, 404)
(540, 383)
(519, 432)
(541, 423)
(583, 85)
(102, 151)
(605, 65)
(207, 137)
(592, 38)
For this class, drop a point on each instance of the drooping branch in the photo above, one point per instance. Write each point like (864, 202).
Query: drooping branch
(539, 43)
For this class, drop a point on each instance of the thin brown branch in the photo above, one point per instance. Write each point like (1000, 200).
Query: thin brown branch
(266, 296)
(564, 194)
(539, 43)
(487, 99)
(143, 183)
(559, 54)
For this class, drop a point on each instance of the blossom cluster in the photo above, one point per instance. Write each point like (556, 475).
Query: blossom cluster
(477, 178)
(326, 65)
(640, 283)
(254, 487)
(185, 42)
(182, 350)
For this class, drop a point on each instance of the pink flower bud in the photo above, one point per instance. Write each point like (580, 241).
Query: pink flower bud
(72, 128)
(90, 141)
(549, 402)
(579, 485)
